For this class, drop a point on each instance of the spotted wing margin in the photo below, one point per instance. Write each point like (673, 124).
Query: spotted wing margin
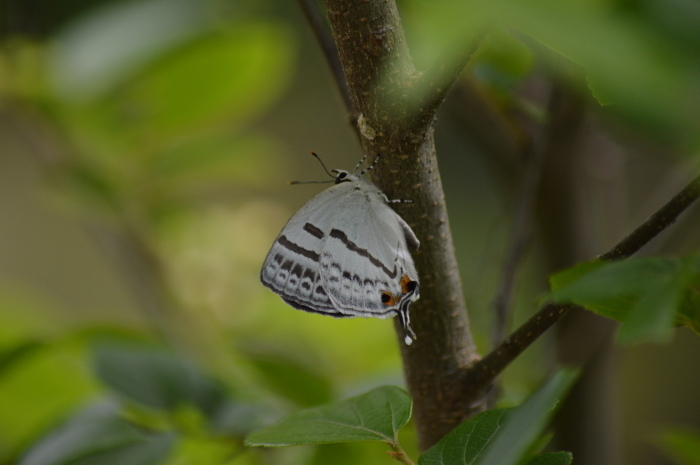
(291, 268)
(365, 256)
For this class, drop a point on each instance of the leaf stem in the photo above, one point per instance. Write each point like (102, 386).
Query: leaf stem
(399, 454)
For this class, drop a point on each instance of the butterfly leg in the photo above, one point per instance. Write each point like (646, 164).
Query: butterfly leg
(357, 168)
(386, 199)
(369, 168)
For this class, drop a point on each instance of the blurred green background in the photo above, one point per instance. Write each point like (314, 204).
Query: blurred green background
(145, 149)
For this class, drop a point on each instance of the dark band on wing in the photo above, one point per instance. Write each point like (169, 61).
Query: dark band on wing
(330, 311)
(292, 247)
(340, 235)
(313, 230)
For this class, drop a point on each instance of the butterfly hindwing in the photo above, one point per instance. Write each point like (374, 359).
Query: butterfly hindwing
(365, 263)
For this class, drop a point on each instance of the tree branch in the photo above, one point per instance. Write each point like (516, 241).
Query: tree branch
(440, 82)
(379, 70)
(477, 379)
(656, 223)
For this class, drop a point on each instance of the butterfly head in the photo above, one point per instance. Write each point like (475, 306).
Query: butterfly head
(344, 176)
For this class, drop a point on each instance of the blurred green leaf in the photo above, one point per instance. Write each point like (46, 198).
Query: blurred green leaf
(626, 58)
(292, 380)
(682, 445)
(156, 378)
(98, 436)
(566, 277)
(231, 75)
(339, 454)
(652, 317)
(202, 451)
(375, 416)
(502, 60)
(93, 54)
(212, 158)
(650, 295)
(689, 314)
(39, 386)
(237, 419)
(504, 436)
(552, 458)
(14, 354)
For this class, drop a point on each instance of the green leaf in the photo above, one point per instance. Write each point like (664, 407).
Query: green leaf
(502, 60)
(236, 419)
(649, 295)
(98, 435)
(552, 458)
(93, 55)
(156, 378)
(570, 275)
(40, 385)
(628, 60)
(683, 445)
(212, 158)
(466, 443)
(293, 380)
(652, 317)
(689, 314)
(374, 416)
(16, 353)
(230, 75)
(501, 437)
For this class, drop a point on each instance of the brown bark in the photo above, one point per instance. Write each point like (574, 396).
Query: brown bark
(380, 74)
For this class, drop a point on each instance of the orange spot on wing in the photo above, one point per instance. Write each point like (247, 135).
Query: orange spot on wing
(404, 284)
(388, 299)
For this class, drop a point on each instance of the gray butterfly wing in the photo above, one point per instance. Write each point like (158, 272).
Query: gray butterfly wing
(291, 268)
(365, 264)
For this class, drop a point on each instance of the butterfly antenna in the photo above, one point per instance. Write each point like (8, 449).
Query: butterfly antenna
(369, 168)
(324, 166)
(316, 182)
(357, 168)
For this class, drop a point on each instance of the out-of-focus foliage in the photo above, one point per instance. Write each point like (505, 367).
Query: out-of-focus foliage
(503, 436)
(650, 295)
(375, 416)
(150, 105)
(147, 114)
(683, 445)
(642, 56)
(98, 435)
(155, 378)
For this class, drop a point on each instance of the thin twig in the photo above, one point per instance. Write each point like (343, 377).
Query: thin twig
(323, 35)
(656, 223)
(442, 81)
(520, 238)
(482, 373)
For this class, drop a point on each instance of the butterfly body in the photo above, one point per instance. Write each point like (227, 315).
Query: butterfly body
(345, 254)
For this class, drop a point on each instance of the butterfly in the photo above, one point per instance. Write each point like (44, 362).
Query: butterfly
(345, 254)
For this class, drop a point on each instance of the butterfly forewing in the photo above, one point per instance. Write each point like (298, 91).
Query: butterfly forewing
(291, 268)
